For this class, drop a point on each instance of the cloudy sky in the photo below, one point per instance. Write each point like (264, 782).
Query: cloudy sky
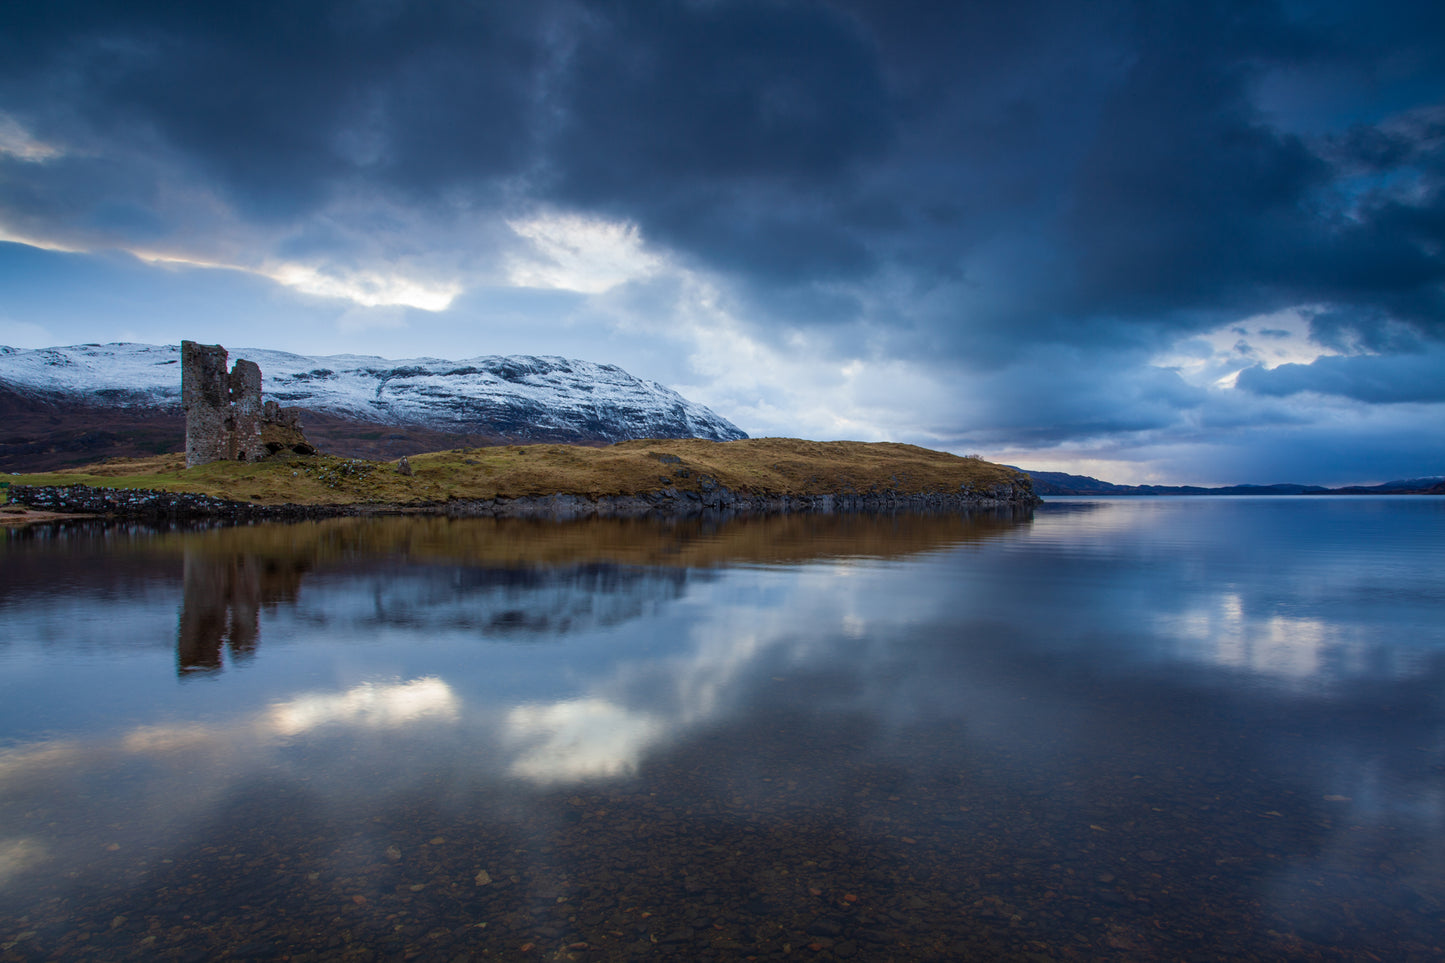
(1174, 242)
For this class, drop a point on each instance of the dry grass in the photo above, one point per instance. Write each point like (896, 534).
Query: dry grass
(762, 465)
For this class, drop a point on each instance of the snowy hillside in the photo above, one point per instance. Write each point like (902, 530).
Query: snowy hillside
(518, 396)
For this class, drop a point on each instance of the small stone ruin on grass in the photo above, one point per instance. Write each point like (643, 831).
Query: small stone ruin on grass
(225, 417)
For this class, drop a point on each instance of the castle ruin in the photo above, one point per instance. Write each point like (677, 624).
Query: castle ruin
(225, 418)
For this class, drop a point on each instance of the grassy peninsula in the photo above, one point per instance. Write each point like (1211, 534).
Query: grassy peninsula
(776, 466)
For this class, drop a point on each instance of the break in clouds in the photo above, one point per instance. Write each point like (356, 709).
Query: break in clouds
(1197, 242)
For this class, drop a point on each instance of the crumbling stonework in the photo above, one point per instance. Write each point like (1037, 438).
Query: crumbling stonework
(281, 430)
(225, 417)
(273, 414)
(206, 398)
(245, 437)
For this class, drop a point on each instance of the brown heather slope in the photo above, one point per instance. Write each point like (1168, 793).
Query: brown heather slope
(44, 434)
(773, 466)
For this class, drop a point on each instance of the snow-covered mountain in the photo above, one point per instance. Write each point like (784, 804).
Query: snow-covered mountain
(519, 397)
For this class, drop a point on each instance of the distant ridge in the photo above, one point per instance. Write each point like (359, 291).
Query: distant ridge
(1059, 483)
(69, 405)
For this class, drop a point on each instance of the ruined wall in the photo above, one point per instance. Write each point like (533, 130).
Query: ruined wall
(225, 417)
(206, 398)
(246, 411)
(273, 414)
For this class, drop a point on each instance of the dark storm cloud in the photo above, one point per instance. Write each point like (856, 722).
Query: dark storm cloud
(1183, 194)
(1042, 195)
(734, 130)
(282, 102)
(1114, 162)
(1060, 393)
(1028, 173)
(1377, 379)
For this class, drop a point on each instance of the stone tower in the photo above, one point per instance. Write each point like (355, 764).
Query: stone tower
(223, 409)
(245, 441)
(206, 398)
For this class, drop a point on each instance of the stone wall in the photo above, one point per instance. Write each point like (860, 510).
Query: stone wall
(153, 505)
(718, 502)
(206, 398)
(225, 417)
(245, 440)
(273, 414)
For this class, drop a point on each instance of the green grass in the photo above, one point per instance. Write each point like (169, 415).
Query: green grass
(762, 465)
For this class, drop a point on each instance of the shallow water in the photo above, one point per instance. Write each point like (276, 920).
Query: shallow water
(1173, 729)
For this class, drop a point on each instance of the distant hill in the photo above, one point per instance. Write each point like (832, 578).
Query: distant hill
(1059, 483)
(71, 405)
(1432, 485)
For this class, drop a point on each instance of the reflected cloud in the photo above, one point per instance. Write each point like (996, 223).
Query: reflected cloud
(20, 854)
(579, 739)
(1296, 650)
(1064, 681)
(1218, 631)
(369, 706)
(647, 702)
(152, 783)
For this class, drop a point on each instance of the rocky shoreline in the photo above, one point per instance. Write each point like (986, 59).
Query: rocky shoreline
(668, 503)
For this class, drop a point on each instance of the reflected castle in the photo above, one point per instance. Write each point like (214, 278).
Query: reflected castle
(221, 606)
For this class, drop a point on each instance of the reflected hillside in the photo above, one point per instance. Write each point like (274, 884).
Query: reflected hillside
(480, 578)
(518, 543)
(496, 578)
(225, 593)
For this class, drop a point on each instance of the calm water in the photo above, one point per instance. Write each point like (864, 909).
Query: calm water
(1172, 729)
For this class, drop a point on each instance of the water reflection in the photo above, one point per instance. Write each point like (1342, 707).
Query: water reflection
(501, 577)
(221, 605)
(1135, 731)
